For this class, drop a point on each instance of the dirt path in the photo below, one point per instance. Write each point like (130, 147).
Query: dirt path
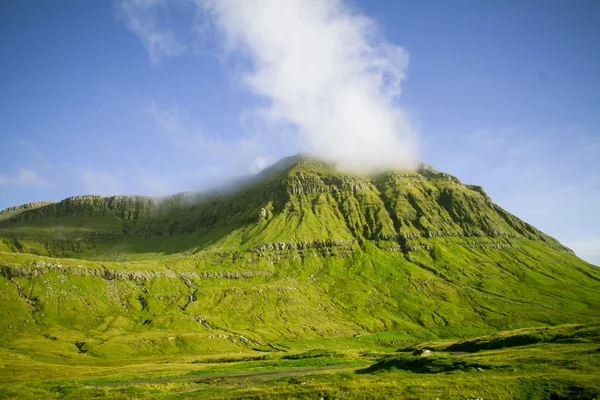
(281, 373)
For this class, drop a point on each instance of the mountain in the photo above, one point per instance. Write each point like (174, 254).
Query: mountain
(300, 250)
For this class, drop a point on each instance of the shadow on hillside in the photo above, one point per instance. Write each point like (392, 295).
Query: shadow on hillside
(570, 334)
(424, 365)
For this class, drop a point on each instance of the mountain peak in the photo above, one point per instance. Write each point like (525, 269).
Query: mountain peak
(298, 161)
(299, 199)
(306, 162)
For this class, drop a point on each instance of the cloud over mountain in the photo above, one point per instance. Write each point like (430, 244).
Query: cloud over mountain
(317, 68)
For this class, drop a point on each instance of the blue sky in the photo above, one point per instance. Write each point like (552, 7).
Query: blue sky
(153, 97)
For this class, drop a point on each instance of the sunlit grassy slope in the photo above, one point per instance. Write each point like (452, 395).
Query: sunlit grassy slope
(299, 252)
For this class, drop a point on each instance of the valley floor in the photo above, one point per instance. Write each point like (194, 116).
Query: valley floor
(561, 362)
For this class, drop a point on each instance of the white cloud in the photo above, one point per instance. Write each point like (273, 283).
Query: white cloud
(140, 17)
(317, 68)
(25, 178)
(325, 70)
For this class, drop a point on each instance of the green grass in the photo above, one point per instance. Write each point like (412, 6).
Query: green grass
(301, 266)
(558, 369)
(461, 294)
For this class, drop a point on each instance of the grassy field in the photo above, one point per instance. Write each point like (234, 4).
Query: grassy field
(559, 362)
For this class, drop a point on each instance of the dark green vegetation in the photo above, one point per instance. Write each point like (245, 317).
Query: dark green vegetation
(282, 272)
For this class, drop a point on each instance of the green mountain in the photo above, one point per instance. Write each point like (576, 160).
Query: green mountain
(300, 251)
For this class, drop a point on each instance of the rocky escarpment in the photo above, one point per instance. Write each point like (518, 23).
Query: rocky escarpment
(319, 244)
(40, 268)
(293, 250)
(123, 207)
(305, 184)
(15, 210)
(27, 206)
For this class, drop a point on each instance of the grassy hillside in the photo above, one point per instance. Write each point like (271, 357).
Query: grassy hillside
(297, 201)
(300, 252)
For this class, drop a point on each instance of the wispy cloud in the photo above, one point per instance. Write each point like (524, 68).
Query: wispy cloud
(547, 177)
(132, 179)
(245, 154)
(99, 182)
(261, 163)
(32, 151)
(24, 178)
(492, 137)
(318, 68)
(150, 182)
(141, 18)
(180, 127)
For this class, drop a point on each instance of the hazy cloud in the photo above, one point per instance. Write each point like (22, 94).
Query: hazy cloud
(547, 177)
(99, 183)
(141, 18)
(492, 137)
(150, 182)
(261, 163)
(25, 178)
(32, 151)
(245, 154)
(132, 179)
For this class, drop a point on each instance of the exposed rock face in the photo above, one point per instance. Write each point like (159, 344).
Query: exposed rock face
(122, 207)
(132, 207)
(305, 184)
(304, 245)
(27, 206)
(13, 211)
(41, 267)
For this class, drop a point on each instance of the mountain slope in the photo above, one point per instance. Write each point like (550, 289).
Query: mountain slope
(299, 251)
(297, 200)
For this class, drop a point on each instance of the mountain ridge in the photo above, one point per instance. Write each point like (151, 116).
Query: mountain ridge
(400, 206)
(299, 251)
